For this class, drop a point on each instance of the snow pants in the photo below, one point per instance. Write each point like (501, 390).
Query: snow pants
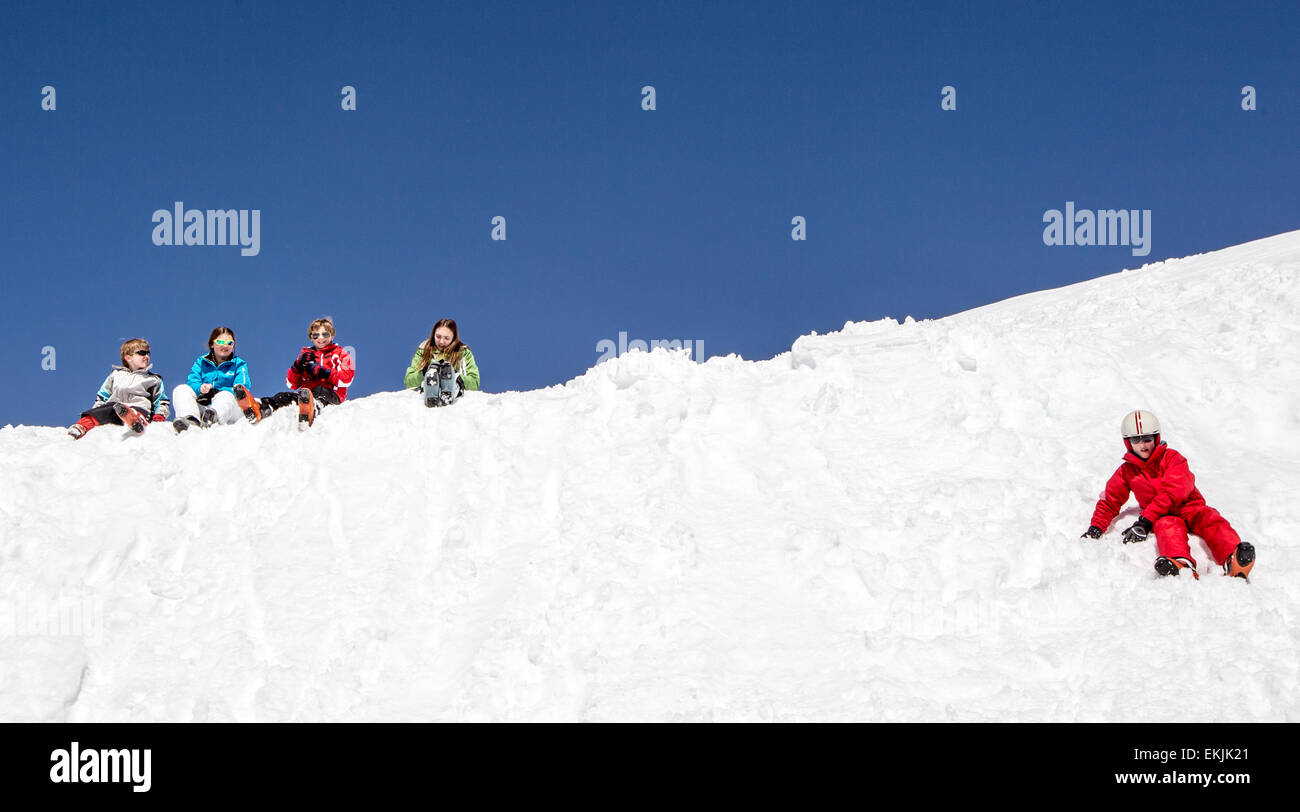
(98, 416)
(185, 403)
(325, 396)
(1204, 521)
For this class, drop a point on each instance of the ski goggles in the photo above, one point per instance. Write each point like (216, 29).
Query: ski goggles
(1143, 438)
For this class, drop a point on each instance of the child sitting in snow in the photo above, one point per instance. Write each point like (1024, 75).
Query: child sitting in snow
(443, 346)
(319, 377)
(131, 395)
(1171, 505)
(208, 395)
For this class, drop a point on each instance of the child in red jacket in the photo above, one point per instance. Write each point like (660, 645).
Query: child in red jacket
(1171, 505)
(319, 377)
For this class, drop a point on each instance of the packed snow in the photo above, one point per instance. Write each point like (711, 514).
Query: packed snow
(880, 525)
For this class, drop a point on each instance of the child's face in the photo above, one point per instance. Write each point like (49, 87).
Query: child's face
(223, 351)
(321, 337)
(1144, 445)
(136, 362)
(442, 337)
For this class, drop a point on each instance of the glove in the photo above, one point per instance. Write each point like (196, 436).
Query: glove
(158, 418)
(305, 361)
(318, 371)
(1093, 532)
(1138, 532)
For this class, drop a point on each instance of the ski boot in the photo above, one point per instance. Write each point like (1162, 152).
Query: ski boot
(306, 408)
(440, 387)
(207, 417)
(1240, 561)
(1172, 566)
(183, 423)
(251, 408)
(130, 418)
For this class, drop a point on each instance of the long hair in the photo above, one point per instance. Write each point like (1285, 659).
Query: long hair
(454, 350)
(217, 331)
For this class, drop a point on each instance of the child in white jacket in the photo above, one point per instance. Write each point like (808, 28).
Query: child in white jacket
(132, 394)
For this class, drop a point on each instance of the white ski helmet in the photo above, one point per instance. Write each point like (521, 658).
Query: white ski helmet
(1138, 423)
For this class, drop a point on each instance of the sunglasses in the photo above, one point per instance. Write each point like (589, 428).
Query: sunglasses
(141, 352)
(314, 336)
(224, 342)
(1143, 438)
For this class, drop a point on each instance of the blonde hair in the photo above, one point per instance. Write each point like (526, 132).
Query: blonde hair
(131, 346)
(325, 322)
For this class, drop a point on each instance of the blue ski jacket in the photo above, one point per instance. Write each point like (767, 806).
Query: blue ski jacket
(223, 376)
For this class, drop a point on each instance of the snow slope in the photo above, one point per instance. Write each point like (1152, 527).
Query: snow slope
(881, 524)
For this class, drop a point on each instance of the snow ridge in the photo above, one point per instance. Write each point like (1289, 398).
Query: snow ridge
(881, 524)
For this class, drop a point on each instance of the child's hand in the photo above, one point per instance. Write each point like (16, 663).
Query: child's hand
(205, 388)
(1138, 532)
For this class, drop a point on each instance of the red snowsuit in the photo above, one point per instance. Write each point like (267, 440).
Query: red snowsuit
(339, 365)
(1166, 492)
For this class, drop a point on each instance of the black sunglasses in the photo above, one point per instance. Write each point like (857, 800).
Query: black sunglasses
(141, 352)
(315, 336)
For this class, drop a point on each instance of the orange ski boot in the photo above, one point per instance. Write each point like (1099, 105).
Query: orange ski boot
(1173, 566)
(306, 409)
(248, 404)
(1241, 561)
(130, 418)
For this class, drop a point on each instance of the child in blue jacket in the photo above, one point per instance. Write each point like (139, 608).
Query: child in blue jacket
(208, 394)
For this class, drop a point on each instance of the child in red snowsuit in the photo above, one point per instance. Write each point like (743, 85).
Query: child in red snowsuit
(319, 377)
(1171, 505)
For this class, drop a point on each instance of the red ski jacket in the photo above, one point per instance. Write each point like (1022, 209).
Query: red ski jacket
(336, 360)
(1162, 483)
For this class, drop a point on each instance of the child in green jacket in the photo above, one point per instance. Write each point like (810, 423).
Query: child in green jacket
(444, 345)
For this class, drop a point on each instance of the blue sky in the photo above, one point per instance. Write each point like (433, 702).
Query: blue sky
(673, 223)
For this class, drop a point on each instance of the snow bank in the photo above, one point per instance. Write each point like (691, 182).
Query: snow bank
(881, 524)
